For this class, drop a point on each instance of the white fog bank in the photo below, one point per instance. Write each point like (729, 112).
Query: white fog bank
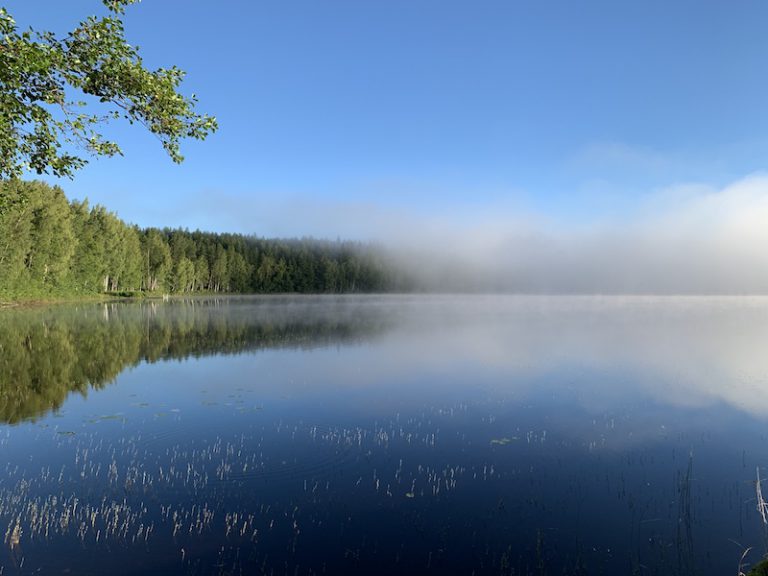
(683, 240)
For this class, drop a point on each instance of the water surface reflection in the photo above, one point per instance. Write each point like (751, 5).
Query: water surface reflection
(403, 434)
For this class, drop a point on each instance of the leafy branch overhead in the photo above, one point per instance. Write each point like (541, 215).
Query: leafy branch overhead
(45, 129)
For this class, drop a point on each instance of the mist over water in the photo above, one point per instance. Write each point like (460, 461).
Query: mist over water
(682, 239)
(688, 239)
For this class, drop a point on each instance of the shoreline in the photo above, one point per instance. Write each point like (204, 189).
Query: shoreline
(41, 301)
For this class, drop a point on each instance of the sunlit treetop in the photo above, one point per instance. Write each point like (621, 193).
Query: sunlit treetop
(47, 128)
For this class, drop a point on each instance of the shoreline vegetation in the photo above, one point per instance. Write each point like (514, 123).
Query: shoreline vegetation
(54, 250)
(110, 298)
(105, 297)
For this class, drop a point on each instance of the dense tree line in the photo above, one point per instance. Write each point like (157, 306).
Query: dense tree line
(49, 245)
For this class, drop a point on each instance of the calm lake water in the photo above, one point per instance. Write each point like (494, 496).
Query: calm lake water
(384, 435)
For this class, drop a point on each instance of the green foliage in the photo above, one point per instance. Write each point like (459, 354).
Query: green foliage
(761, 569)
(157, 260)
(50, 247)
(52, 241)
(16, 230)
(43, 127)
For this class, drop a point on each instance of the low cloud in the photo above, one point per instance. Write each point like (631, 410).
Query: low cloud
(687, 239)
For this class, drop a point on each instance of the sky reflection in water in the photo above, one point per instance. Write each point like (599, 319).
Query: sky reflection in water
(410, 434)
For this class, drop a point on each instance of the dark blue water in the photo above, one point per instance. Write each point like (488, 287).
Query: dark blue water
(384, 435)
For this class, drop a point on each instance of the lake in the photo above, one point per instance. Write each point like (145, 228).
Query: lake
(384, 435)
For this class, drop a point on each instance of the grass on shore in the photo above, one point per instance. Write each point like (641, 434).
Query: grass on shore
(25, 300)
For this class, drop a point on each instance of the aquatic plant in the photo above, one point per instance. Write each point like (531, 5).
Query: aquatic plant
(761, 569)
(762, 506)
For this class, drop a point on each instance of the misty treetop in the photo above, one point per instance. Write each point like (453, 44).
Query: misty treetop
(50, 246)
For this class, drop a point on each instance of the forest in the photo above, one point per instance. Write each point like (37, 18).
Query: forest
(50, 246)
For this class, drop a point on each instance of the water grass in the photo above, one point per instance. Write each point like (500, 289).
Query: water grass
(762, 506)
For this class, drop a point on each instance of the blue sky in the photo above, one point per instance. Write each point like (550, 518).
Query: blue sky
(329, 111)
